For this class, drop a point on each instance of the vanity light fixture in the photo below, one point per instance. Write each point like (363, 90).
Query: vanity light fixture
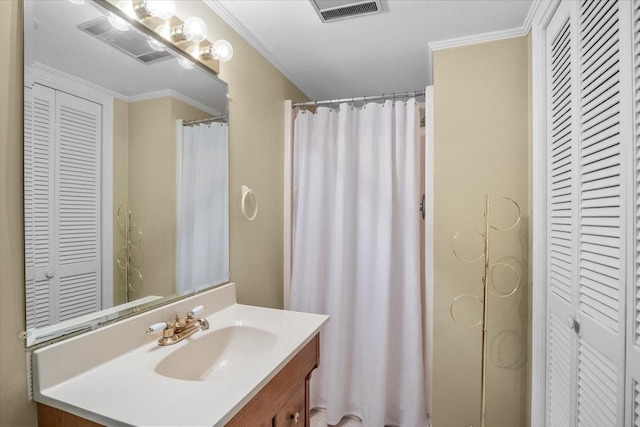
(185, 63)
(193, 30)
(118, 23)
(155, 44)
(162, 9)
(220, 50)
(186, 36)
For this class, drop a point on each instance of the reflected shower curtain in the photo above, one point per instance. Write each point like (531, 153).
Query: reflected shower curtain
(203, 245)
(356, 257)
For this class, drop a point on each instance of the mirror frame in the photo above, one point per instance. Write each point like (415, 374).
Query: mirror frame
(102, 320)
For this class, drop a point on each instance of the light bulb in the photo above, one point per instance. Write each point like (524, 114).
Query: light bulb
(127, 7)
(164, 31)
(222, 50)
(155, 44)
(163, 9)
(118, 23)
(194, 29)
(185, 63)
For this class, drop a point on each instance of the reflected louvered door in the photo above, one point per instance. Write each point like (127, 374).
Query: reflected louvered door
(561, 215)
(62, 135)
(39, 152)
(633, 306)
(601, 260)
(78, 136)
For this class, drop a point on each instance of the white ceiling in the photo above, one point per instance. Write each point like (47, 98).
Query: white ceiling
(367, 55)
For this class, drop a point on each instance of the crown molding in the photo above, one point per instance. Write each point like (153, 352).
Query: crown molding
(528, 21)
(176, 95)
(45, 74)
(521, 31)
(233, 22)
(477, 39)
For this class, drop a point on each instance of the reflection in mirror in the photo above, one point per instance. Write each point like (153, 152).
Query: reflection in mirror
(126, 180)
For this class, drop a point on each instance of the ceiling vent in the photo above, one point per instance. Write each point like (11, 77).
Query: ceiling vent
(130, 42)
(334, 10)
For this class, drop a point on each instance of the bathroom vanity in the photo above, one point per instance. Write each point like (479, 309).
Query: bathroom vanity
(251, 368)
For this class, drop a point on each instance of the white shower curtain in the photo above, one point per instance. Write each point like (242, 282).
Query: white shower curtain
(203, 242)
(356, 257)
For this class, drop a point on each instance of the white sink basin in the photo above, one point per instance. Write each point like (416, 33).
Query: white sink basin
(217, 354)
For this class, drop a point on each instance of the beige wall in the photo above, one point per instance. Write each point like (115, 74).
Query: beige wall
(256, 158)
(152, 187)
(481, 97)
(120, 179)
(15, 410)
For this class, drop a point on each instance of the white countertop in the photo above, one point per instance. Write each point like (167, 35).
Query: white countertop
(121, 387)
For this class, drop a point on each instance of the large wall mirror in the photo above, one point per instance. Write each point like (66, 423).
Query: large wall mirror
(126, 170)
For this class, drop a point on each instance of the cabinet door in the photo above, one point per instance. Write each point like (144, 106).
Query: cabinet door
(293, 413)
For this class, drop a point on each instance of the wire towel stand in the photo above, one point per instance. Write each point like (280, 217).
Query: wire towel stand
(128, 262)
(484, 300)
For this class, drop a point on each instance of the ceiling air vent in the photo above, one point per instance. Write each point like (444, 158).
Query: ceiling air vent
(130, 42)
(334, 10)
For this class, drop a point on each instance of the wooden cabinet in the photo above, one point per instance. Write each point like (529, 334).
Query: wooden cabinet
(286, 395)
(283, 402)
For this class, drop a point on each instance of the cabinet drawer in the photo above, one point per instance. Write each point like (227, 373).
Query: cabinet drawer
(294, 411)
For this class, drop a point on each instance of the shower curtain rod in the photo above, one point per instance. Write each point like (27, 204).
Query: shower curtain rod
(361, 99)
(203, 121)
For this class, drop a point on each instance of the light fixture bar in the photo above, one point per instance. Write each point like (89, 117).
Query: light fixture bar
(212, 68)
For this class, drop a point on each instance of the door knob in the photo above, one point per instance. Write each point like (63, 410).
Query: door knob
(295, 417)
(50, 274)
(573, 324)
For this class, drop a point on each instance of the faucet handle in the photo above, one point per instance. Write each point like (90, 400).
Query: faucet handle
(156, 327)
(196, 310)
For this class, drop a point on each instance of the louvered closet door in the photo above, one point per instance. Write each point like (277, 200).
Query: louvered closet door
(39, 151)
(633, 335)
(561, 215)
(601, 261)
(62, 204)
(78, 136)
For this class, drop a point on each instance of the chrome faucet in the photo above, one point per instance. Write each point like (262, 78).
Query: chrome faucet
(176, 331)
